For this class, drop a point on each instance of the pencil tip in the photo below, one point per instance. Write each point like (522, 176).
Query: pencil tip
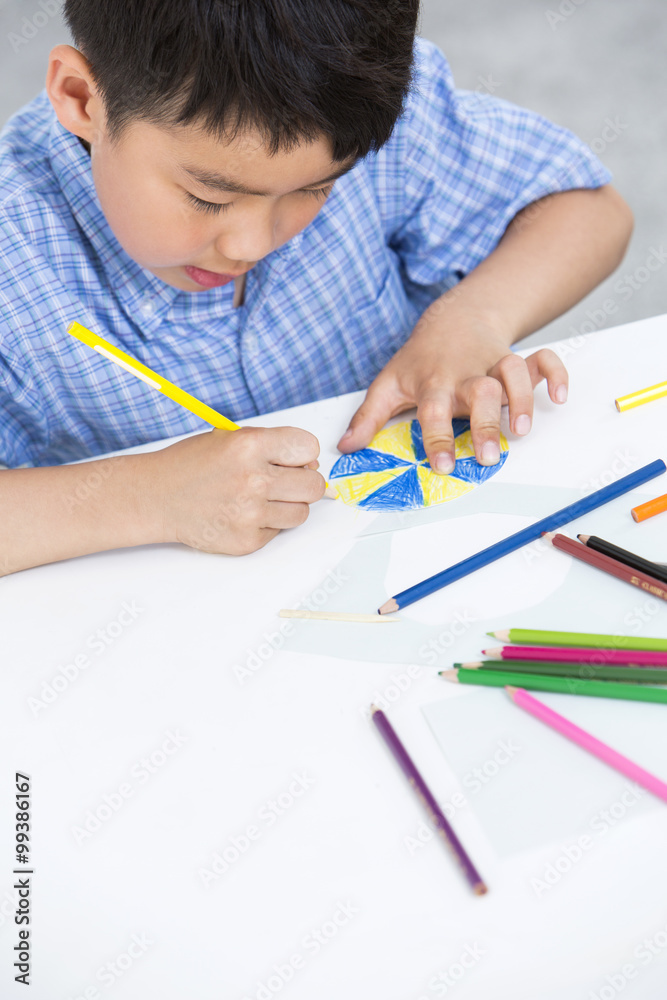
(388, 607)
(583, 538)
(480, 889)
(492, 634)
(511, 691)
(450, 675)
(495, 654)
(331, 493)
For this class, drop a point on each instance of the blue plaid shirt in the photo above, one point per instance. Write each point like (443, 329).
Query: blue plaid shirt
(322, 315)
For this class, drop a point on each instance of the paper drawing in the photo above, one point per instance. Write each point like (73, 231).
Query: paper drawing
(394, 474)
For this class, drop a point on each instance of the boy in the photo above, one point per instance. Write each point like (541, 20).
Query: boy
(250, 198)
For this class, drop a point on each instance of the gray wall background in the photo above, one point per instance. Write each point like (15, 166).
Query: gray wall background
(594, 66)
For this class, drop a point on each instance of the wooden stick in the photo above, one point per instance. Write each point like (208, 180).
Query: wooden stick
(336, 616)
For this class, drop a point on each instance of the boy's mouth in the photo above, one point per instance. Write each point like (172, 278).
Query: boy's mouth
(208, 279)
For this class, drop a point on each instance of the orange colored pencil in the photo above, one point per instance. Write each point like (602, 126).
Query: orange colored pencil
(650, 508)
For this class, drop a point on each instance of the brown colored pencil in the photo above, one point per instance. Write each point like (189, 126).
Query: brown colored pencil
(611, 566)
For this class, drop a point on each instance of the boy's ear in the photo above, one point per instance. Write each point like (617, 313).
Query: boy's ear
(73, 93)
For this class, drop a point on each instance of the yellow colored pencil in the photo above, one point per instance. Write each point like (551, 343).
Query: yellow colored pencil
(162, 385)
(151, 378)
(641, 396)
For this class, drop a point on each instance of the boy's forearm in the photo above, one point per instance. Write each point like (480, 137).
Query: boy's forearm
(57, 513)
(552, 254)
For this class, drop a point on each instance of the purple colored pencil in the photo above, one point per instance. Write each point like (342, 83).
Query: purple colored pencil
(442, 826)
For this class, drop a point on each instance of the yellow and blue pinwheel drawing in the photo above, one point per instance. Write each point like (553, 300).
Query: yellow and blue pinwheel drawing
(394, 474)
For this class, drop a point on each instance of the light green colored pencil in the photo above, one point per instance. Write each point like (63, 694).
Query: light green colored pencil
(560, 685)
(539, 637)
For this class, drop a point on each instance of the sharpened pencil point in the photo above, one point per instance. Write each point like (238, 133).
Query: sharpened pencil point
(450, 675)
(511, 691)
(495, 654)
(480, 889)
(388, 607)
(583, 538)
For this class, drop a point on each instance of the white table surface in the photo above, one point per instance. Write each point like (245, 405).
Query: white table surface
(286, 765)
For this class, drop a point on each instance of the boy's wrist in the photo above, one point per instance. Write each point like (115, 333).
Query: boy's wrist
(148, 499)
(451, 315)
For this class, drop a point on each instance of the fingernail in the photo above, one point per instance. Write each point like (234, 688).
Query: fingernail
(561, 394)
(522, 424)
(444, 463)
(490, 453)
(347, 435)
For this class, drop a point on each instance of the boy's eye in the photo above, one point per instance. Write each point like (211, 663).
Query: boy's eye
(214, 208)
(320, 193)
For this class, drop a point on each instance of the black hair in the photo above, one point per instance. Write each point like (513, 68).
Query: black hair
(294, 69)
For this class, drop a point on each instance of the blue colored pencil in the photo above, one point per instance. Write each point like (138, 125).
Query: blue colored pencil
(523, 537)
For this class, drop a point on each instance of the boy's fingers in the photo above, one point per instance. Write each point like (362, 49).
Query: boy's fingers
(289, 446)
(286, 515)
(485, 397)
(434, 413)
(296, 486)
(514, 374)
(546, 364)
(378, 406)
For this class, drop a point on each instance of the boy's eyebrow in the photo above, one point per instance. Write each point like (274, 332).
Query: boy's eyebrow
(222, 183)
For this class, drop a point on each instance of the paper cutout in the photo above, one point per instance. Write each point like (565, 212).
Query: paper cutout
(394, 474)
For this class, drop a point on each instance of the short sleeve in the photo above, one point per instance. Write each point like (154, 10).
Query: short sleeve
(469, 162)
(22, 425)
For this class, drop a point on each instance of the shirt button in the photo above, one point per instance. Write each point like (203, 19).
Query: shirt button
(251, 344)
(147, 308)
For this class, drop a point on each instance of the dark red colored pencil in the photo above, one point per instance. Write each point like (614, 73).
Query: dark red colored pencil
(611, 566)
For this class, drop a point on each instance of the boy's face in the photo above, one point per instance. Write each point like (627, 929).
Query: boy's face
(196, 211)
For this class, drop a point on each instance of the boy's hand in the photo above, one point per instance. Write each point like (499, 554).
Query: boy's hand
(232, 492)
(468, 371)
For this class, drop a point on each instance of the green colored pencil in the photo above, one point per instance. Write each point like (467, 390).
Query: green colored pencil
(584, 671)
(539, 637)
(561, 685)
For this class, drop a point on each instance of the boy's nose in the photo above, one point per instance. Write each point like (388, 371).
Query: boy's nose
(250, 242)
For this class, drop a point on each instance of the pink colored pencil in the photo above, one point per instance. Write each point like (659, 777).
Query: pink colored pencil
(569, 654)
(583, 739)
